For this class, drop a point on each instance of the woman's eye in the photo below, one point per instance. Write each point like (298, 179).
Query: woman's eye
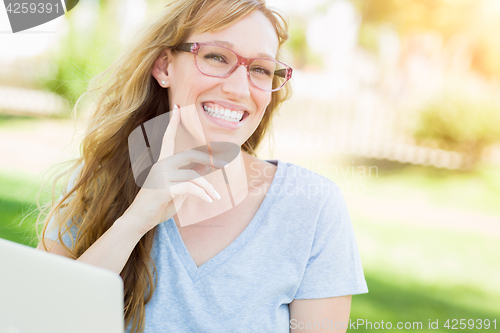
(261, 71)
(216, 57)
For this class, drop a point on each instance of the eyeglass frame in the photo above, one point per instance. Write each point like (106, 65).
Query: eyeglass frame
(193, 48)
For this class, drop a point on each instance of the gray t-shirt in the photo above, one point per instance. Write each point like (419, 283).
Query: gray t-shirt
(299, 245)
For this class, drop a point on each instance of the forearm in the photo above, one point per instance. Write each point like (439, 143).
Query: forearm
(113, 248)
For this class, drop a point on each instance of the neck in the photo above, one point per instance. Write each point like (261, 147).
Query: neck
(231, 181)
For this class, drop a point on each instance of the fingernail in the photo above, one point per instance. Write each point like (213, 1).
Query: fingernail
(209, 199)
(217, 194)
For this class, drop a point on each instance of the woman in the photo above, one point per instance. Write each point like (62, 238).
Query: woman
(283, 257)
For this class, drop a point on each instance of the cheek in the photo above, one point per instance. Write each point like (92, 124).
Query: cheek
(201, 84)
(263, 101)
(189, 80)
(269, 97)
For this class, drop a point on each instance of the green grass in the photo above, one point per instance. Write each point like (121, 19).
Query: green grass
(416, 272)
(477, 191)
(15, 123)
(435, 261)
(18, 211)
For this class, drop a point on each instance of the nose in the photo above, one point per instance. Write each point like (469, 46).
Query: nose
(237, 83)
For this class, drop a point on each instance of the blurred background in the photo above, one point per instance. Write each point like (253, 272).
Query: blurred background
(396, 101)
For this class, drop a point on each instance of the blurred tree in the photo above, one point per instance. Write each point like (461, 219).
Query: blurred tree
(460, 121)
(412, 16)
(486, 39)
(84, 51)
(479, 20)
(303, 57)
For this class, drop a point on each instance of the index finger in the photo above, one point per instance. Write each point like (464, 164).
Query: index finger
(168, 142)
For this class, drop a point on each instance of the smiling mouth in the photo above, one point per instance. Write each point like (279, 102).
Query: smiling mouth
(218, 111)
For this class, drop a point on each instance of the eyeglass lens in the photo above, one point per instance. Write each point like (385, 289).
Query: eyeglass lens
(218, 61)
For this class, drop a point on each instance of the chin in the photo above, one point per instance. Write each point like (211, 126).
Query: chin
(223, 138)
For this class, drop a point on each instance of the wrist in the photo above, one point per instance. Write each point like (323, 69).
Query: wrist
(128, 225)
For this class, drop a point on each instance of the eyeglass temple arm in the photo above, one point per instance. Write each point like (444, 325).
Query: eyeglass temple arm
(284, 72)
(185, 47)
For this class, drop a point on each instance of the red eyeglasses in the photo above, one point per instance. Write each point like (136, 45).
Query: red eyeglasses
(219, 61)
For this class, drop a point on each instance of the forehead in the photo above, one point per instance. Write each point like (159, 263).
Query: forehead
(252, 36)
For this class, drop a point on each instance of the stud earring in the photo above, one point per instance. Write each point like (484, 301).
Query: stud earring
(162, 82)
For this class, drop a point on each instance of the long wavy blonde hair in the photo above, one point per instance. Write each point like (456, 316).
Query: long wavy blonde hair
(128, 95)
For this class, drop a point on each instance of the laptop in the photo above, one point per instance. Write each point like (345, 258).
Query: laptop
(43, 292)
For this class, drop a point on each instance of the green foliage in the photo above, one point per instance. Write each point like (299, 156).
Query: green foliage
(302, 55)
(419, 15)
(476, 19)
(368, 37)
(84, 52)
(18, 211)
(460, 121)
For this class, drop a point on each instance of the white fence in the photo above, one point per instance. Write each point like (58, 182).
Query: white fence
(358, 129)
(20, 101)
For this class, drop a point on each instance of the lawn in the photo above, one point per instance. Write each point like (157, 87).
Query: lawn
(418, 272)
(18, 211)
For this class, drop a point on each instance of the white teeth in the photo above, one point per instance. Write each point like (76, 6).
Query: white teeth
(226, 114)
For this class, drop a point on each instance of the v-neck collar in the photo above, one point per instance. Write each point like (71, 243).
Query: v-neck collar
(182, 252)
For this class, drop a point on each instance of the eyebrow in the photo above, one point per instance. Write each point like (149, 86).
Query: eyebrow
(231, 46)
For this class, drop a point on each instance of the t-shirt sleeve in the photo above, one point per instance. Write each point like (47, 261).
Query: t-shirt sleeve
(52, 232)
(334, 267)
(52, 229)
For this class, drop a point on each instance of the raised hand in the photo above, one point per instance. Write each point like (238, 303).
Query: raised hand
(167, 186)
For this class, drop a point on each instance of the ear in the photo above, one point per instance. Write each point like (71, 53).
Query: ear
(161, 67)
